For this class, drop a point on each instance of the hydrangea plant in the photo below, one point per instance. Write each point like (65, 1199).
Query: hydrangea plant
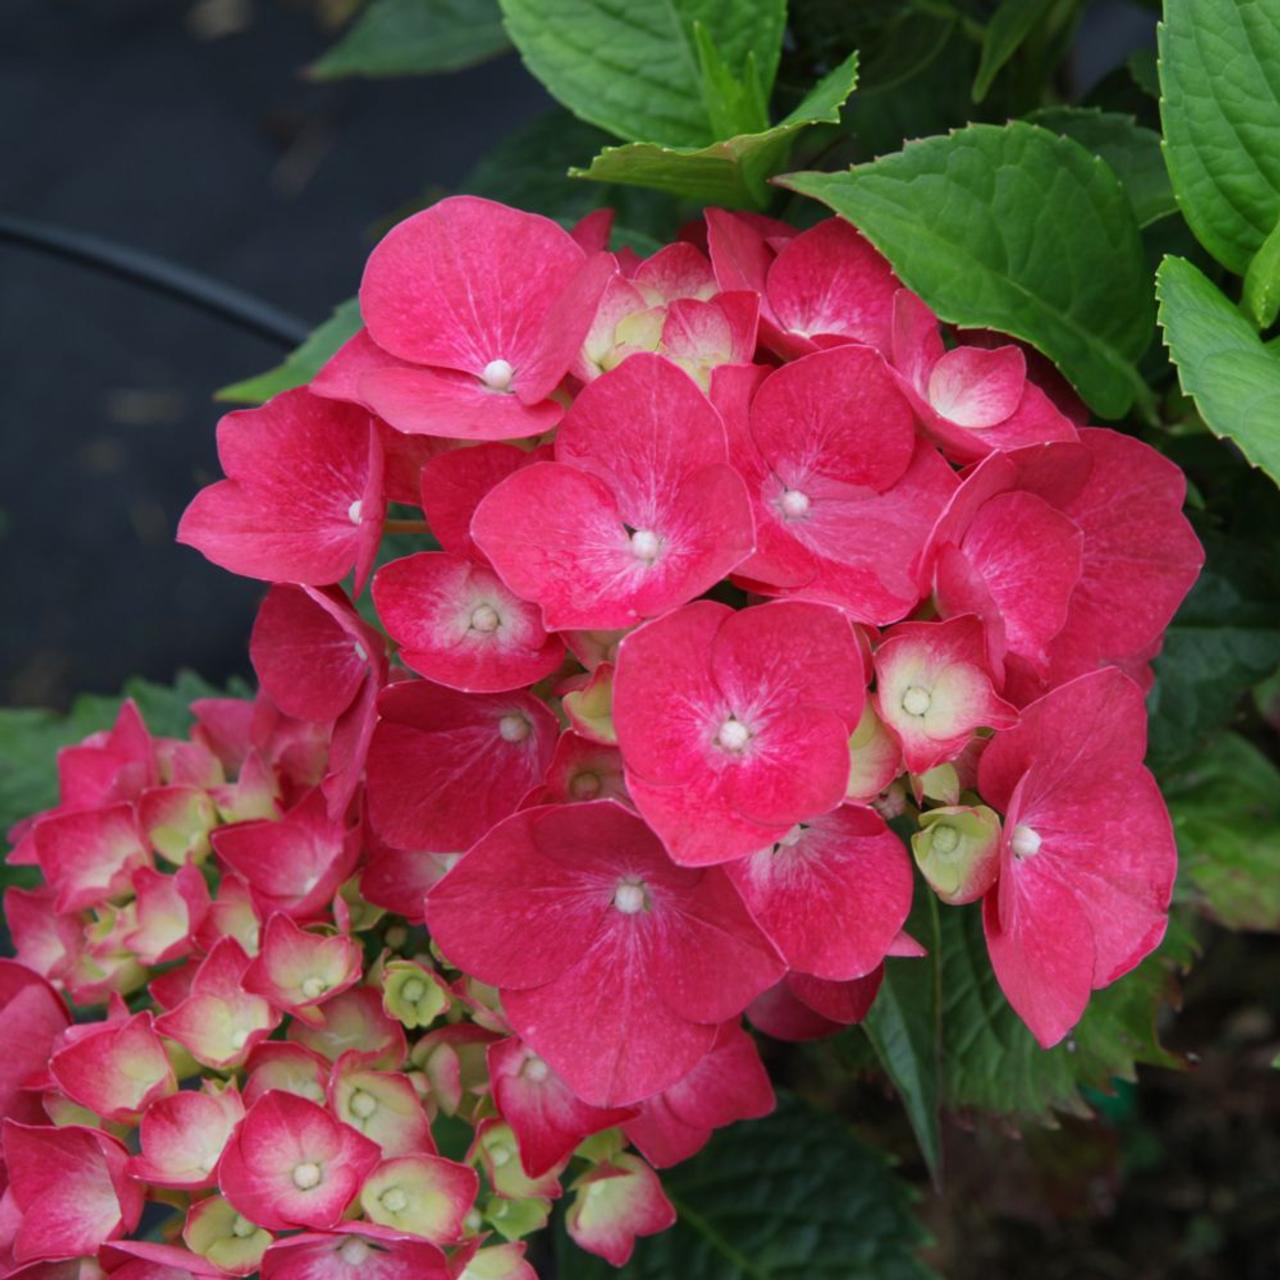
(671, 649)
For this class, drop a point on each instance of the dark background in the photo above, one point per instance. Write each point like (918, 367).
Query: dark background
(186, 128)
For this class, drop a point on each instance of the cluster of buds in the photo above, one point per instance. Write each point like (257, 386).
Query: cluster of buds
(731, 556)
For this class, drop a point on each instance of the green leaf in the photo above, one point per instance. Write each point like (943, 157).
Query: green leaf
(993, 1063)
(794, 1196)
(1224, 639)
(1220, 86)
(1261, 298)
(1222, 364)
(905, 1028)
(1016, 229)
(732, 172)
(30, 737)
(301, 365)
(1132, 151)
(634, 69)
(1010, 25)
(1142, 68)
(1226, 814)
(416, 37)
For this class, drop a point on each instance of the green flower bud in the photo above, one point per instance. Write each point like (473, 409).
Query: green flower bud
(958, 851)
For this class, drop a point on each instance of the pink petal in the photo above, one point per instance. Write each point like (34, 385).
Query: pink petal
(977, 388)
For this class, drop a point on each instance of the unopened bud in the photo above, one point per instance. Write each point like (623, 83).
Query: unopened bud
(958, 851)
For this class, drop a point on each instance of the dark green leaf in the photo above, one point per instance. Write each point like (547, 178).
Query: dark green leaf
(1224, 639)
(792, 1197)
(303, 364)
(1222, 364)
(416, 37)
(1261, 297)
(1010, 25)
(1016, 229)
(1220, 81)
(732, 172)
(1142, 69)
(634, 69)
(1132, 151)
(1225, 808)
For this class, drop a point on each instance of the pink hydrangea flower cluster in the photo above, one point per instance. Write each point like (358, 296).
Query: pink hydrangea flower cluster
(740, 554)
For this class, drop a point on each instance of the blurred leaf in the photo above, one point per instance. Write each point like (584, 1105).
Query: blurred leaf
(733, 172)
(301, 365)
(1142, 69)
(416, 37)
(635, 69)
(1224, 639)
(1132, 152)
(1009, 26)
(1016, 229)
(1226, 814)
(1221, 113)
(792, 1196)
(1222, 363)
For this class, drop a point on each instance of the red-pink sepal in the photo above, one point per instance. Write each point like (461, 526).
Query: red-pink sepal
(615, 1203)
(383, 1105)
(89, 856)
(801, 1007)
(453, 1060)
(115, 1069)
(294, 865)
(291, 1164)
(303, 498)
(182, 1137)
(356, 1017)
(354, 1251)
(580, 769)
(504, 1261)
(546, 1117)
(219, 1022)
(171, 909)
(312, 651)
(421, 1195)
(148, 1260)
(297, 970)
(71, 1188)
(445, 766)
(281, 1064)
(34, 1017)
(728, 1085)
(109, 766)
(44, 940)
(232, 914)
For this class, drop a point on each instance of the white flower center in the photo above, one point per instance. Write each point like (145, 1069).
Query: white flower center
(916, 701)
(363, 1104)
(645, 545)
(497, 375)
(313, 988)
(361, 652)
(1025, 842)
(485, 619)
(500, 1155)
(242, 1228)
(514, 728)
(414, 990)
(535, 1069)
(307, 1175)
(355, 511)
(584, 785)
(792, 838)
(394, 1200)
(354, 1252)
(794, 503)
(733, 735)
(629, 897)
(945, 839)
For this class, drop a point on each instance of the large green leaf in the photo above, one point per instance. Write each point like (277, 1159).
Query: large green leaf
(416, 37)
(1220, 87)
(1222, 364)
(299, 366)
(1131, 150)
(992, 1063)
(1226, 814)
(792, 1197)
(1010, 25)
(30, 737)
(1016, 229)
(731, 172)
(1224, 639)
(636, 69)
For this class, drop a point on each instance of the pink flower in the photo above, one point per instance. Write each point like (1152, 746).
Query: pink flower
(614, 965)
(616, 1202)
(476, 311)
(354, 1251)
(170, 909)
(933, 689)
(382, 1105)
(639, 513)
(297, 971)
(291, 1164)
(33, 1016)
(728, 1085)
(90, 855)
(445, 766)
(971, 399)
(183, 1135)
(735, 726)
(70, 1187)
(1088, 857)
(115, 1069)
(581, 770)
(802, 1007)
(832, 894)
(420, 1195)
(546, 1117)
(303, 499)
(844, 494)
